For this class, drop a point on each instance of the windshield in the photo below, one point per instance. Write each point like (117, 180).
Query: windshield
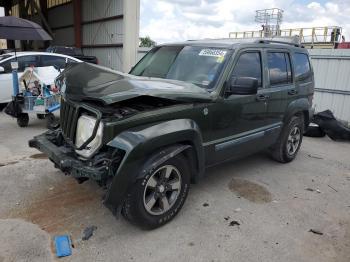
(198, 65)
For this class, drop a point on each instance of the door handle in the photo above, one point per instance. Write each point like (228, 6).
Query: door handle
(262, 97)
(292, 92)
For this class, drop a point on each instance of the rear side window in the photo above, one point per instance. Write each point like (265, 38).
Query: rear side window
(279, 68)
(249, 65)
(302, 67)
(52, 60)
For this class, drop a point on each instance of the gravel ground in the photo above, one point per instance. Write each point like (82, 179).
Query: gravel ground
(251, 210)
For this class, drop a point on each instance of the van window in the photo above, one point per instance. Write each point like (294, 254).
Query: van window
(302, 67)
(279, 68)
(23, 63)
(249, 65)
(52, 60)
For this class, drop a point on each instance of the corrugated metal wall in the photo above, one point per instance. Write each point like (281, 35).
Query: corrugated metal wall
(61, 19)
(332, 81)
(102, 38)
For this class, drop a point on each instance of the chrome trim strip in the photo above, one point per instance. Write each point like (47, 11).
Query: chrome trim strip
(237, 136)
(239, 140)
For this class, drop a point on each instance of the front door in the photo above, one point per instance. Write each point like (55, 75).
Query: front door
(239, 121)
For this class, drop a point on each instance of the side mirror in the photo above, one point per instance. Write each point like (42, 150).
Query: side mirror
(243, 86)
(2, 69)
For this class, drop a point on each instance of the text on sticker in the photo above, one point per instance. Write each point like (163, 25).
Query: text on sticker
(212, 52)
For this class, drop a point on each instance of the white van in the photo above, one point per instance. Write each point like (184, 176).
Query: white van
(27, 59)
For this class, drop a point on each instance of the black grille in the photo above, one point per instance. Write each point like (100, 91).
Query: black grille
(68, 120)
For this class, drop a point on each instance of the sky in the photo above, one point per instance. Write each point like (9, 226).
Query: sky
(176, 20)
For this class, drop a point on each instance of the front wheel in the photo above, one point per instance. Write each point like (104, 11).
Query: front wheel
(22, 120)
(159, 196)
(289, 142)
(51, 122)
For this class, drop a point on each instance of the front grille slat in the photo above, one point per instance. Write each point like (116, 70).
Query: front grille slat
(71, 130)
(68, 120)
(62, 113)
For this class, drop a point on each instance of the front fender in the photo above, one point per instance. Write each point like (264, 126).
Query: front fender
(153, 143)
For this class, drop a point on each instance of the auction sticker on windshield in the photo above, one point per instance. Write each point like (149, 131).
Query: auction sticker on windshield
(212, 52)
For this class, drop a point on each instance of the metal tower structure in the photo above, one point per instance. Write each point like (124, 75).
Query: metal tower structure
(270, 21)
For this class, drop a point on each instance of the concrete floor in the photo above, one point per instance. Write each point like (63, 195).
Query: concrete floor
(269, 200)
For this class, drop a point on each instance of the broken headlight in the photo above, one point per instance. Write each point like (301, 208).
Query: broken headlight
(85, 128)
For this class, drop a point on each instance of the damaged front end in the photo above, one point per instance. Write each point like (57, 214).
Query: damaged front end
(79, 147)
(101, 167)
(110, 122)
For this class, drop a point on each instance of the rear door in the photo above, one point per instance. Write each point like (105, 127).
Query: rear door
(303, 75)
(280, 85)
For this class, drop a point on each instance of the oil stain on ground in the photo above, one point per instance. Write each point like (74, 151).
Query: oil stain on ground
(7, 164)
(39, 156)
(250, 191)
(64, 208)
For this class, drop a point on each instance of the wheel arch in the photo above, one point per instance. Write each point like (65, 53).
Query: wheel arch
(147, 147)
(300, 107)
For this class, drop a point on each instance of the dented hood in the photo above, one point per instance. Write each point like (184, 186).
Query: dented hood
(84, 81)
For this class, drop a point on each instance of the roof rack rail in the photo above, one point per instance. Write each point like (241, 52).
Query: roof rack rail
(267, 41)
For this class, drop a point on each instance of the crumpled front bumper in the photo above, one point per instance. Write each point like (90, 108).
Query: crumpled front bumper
(66, 160)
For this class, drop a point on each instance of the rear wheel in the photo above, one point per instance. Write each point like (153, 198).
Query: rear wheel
(159, 196)
(40, 116)
(289, 142)
(22, 120)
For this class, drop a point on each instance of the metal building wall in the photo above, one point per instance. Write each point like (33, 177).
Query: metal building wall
(102, 31)
(332, 81)
(61, 20)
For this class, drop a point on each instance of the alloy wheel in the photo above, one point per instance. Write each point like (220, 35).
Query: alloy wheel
(293, 140)
(162, 190)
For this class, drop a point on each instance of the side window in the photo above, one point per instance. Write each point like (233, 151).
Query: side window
(27, 61)
(48, 60)
(7, 66)
(279, 68)
(302, 67)
(249, 65)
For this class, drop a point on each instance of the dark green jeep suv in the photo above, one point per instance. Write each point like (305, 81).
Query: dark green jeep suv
(145, 136)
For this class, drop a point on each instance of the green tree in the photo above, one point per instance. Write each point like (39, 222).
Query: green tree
(146, 42)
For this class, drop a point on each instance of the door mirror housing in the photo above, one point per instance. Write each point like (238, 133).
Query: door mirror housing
(243, 86)
(2, 69)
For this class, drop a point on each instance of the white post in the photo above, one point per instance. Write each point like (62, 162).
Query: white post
(131, 24)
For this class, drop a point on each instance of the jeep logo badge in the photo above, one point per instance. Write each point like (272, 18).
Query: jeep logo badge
(205, 111)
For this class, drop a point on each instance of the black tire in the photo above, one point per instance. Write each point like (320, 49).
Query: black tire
(2, 106)
(134, 208)
(51, 122)
(40, 116)
(314, 131)
(281, 150)
(22, 120)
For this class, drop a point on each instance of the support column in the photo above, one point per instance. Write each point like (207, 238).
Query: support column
(131, 24)
(8, 6)
(77, 22)
(44, 11)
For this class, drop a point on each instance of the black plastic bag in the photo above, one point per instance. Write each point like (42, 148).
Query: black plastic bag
(13, 108)
(331, 126)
